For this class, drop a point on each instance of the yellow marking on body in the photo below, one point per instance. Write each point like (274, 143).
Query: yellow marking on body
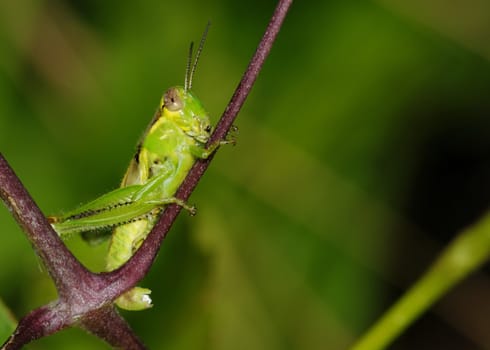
(156, 125)
(143, 158)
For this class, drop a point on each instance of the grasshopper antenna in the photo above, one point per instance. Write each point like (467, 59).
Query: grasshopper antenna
(189, 72)
(188, 68)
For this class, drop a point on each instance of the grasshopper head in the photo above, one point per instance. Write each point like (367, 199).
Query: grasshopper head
(180, 105)
(187, 112)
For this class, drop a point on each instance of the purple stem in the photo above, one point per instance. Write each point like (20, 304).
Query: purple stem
(137, 267)
(106, 323)
(63, 267)
(85, 297)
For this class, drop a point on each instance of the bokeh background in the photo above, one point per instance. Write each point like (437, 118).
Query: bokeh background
(363, 149)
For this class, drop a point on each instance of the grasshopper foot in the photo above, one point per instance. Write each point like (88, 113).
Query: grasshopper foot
(231, 137)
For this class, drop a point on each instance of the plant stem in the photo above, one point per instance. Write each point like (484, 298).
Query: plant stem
(85, 298)
(145, 255)
(468, 251)
(62, 266)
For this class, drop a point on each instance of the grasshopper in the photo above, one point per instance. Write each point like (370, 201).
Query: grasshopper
(174, 140)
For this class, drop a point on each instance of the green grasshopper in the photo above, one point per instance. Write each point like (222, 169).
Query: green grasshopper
(174, 140)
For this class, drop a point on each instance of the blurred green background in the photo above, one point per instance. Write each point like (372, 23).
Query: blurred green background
(363, 148)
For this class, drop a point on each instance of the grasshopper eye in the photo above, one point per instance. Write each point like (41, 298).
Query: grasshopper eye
(172, 100)
(208, 128)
